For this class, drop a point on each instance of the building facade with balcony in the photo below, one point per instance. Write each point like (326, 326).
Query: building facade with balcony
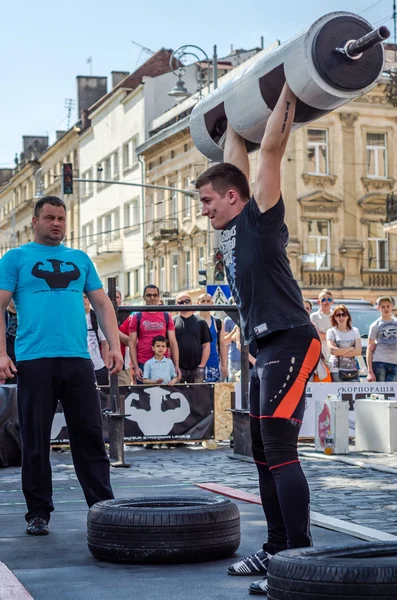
(112, 212)
(337, 174)
(177, 239)
(38, 172)
(18, 195)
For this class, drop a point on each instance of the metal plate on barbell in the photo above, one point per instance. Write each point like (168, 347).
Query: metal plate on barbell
(335, 68)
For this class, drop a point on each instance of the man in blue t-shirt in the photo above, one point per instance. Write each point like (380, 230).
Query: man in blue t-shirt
(47, 280)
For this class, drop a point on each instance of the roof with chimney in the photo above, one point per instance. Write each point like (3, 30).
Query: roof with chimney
(158, 64)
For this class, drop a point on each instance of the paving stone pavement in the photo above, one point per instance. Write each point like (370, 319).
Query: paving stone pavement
(363, 496)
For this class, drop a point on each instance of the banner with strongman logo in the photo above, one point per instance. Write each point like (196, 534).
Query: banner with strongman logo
(155, 413)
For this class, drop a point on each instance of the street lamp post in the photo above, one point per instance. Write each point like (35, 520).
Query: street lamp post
(178, 56)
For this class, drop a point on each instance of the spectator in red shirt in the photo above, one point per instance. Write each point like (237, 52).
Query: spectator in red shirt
(144, 327)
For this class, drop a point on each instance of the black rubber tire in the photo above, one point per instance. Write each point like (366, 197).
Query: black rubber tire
(335, 573)
(164, 529)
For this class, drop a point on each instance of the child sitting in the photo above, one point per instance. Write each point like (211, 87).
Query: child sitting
(159, 369)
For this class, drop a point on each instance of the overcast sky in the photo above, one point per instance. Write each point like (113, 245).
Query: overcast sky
(45, 45)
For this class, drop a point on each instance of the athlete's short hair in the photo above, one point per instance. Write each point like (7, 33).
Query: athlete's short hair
(53, 200)
(224, 177)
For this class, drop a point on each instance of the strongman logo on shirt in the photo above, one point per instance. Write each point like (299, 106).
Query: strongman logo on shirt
(56, 279)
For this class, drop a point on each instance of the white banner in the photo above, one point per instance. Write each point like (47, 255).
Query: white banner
(348, 392)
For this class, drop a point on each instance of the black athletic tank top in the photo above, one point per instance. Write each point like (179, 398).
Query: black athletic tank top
(259, 273)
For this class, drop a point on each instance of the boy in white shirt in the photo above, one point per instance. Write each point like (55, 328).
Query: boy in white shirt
(159, 369)
(382, 344)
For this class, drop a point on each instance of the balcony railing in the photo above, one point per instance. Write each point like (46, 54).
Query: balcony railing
(322, 279)
(109, 245)
(379, 279)
(165, 228)
(391, 208)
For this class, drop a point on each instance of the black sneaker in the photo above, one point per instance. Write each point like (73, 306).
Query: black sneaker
(255, 564)
(259, 587)
(37, 526)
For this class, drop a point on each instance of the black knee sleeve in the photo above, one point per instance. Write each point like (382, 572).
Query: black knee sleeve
(280, 441)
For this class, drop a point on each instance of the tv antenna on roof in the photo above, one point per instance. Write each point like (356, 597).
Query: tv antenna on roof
(143, 49)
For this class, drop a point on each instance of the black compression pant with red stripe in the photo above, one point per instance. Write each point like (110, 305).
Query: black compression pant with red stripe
(284, 363)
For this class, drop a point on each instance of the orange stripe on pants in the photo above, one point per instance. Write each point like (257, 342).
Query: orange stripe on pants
(288, 404)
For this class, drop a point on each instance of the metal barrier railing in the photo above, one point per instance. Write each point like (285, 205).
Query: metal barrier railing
(116, 416)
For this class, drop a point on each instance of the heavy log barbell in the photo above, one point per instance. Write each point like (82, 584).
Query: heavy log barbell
(334, 61)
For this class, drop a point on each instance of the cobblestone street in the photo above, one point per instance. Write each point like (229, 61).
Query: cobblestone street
(360, 495)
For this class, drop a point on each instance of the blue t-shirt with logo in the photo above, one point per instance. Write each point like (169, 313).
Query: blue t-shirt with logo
(47, 284)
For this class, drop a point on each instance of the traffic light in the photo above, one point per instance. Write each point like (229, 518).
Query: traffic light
(219, 267)
(67, 178)
(203, 274)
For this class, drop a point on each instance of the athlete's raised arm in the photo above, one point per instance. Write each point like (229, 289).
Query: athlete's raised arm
(236, 152)
(274, 142)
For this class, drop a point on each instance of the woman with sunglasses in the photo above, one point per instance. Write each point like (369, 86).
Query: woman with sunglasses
(344, 343)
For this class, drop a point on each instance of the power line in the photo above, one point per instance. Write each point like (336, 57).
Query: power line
(371, 6)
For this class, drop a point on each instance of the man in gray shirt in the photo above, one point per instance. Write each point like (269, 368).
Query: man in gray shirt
(382, 344)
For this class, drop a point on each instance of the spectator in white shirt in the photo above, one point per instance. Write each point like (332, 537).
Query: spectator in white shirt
(344, 342)
(97, 345)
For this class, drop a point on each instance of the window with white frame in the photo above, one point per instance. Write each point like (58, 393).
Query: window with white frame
(376, 155)
(150, 271)
(162, 284)
(201, 258)
(135, 280)
(378, 251)
(174, 273)
(115, 165)
(108, 226)
(188, 270)
(100, 174)
(160, 204)
(130, 158)
(131, 213)
(127, 286)
(108, 168)
(317, 151)
(319, 244)
(174, 202)
(88, 234)
(187, 199)
(149, 211)
(86, 186)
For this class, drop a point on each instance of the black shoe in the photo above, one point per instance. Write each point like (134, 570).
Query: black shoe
(259, 587)
(37, 526)
(256, 564)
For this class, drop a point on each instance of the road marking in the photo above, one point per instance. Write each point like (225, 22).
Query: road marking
(10, 587)
(318, 519)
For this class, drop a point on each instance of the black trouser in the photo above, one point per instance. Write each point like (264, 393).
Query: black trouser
(102, 376)
(284, 363)
(41, 383)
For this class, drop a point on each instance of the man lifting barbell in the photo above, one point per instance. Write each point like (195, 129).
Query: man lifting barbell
(253, 240)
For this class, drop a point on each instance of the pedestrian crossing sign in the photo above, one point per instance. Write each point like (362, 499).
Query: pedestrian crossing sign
(220, 293)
